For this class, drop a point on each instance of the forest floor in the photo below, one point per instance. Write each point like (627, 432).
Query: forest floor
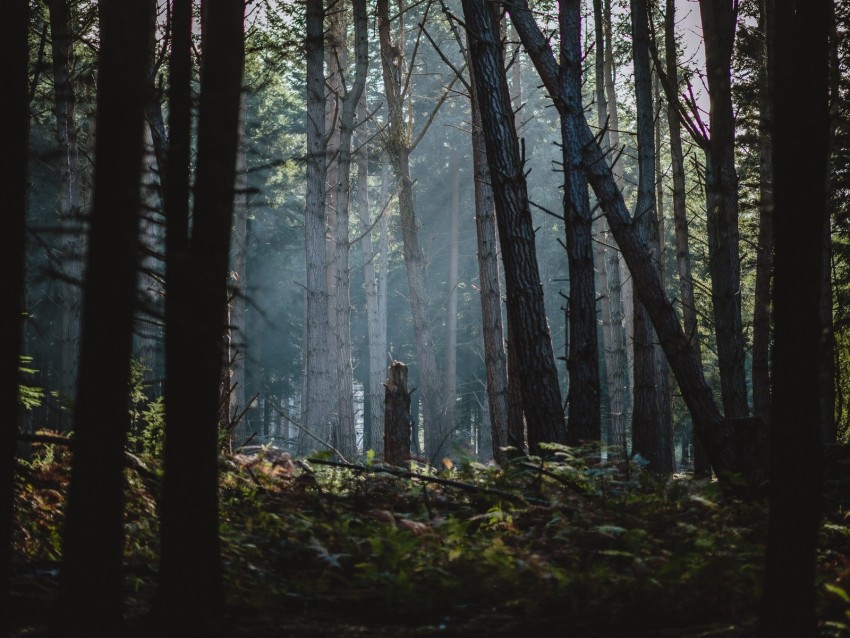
(534, 549)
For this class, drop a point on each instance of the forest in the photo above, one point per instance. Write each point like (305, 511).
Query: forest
(425, 317)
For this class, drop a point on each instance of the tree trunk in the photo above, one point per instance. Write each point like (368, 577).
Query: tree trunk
(397, 415)
(414, 259)
(541, 393)
(649, 429)
(237, 342)
(70, 210)
(340, 304)
(495, 356)
(316, 400)
(450, 393)
(800, 156)
(583, 360)
(14, 139)
(374, 284)
(718, 20)
(190, 590)
(90, 599)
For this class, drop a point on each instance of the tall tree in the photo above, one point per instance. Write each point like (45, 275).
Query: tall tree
(90, 601)
(70, 212)
(450, 391)
(340, 185)
(190, 589)
(316, 399)
(651, 431)
(541, 392)
(495, 355)
(719, 18)
(583, 361)
(800, 156)
(399, 147)
(14, 139)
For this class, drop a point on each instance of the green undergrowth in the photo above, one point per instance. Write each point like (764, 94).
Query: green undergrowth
(570, 539)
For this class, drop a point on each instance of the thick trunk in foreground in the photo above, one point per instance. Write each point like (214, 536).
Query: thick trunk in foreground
(800, 177)
(190, 573)
(541, 393)
(90, 599)
(14, 139)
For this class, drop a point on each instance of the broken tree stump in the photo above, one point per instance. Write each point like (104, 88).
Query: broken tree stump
(396, 415)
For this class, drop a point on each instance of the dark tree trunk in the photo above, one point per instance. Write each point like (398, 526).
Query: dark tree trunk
(719, 20)
(651, 431)
(495, 355)
(190, 570)
(800, 176)
(14, 140)
(397, 415)
(764, 257)
(583, 360)
(90, 600)
(541, 393)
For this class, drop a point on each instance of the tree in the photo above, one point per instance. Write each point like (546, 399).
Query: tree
(90, 600)
(583, 361)
(14, 138)
(70, 210)
(652, 430)
(495, 356)
(541, 393)
(316, 406)
(190, 589)
(399, 147)
(800, 156)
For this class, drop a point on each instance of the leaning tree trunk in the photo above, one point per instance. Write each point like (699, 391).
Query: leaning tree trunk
(436, 443)
(495, 356)
(583, 360)
(541, 393)
(14, 139)
(90, 599)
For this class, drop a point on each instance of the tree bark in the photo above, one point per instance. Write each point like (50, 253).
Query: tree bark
(397, 415)
(90, 600)
(450, 392)
(719, 20)
(316, 400)
(190, 590)
(541, 392)
(14, 139)
(583, 361)
(495, 355)
(70, 209)
(436, 443)
(800, 158)
(649, 429)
